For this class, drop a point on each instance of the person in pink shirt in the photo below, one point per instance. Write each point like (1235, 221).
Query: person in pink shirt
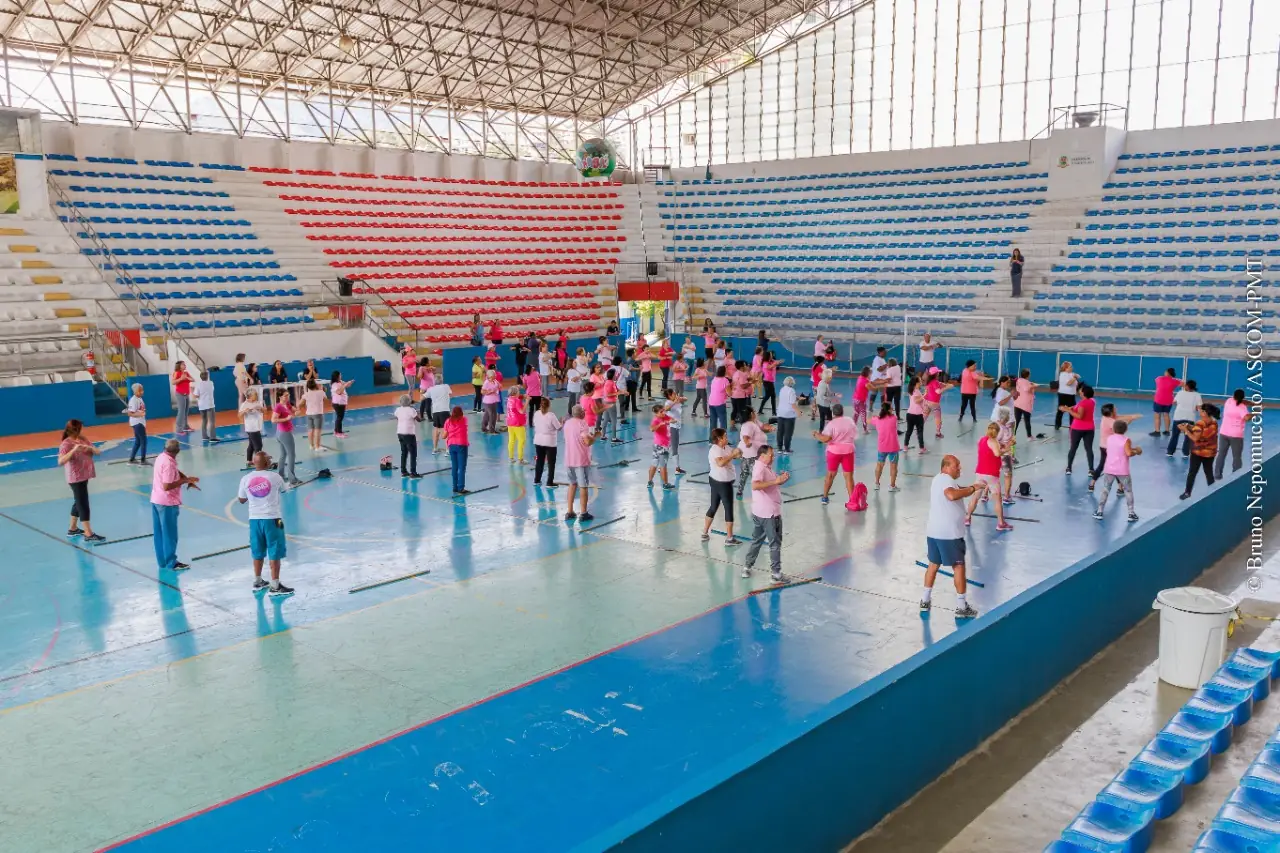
(679, 370)
(700, 376)
(458, 441)
(769, 378)
(578, 438)
(971, 379)
(819, 347)
(661, 428)
(815, 378)
(933, 398)
(740, 393)
(1162, 402)
(1106, 428)
(766, 512)
(1118, 449)
(666, 355)
(1081, 426)
(490, 394)
(426, 381)
(887, 446)
(533, 387)
(1231, 433)
(916, 409)
(988, 470)
(76, 454)
(1024, 400)
(517, 418)
(717, 397)
(591, 404)
(750, 440)
(646, 371)
(862, 390)
(166, 501)
(708, 344)
(838, 435)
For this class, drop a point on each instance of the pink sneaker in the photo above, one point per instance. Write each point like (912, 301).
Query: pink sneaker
(967, 521)
(1005, 526)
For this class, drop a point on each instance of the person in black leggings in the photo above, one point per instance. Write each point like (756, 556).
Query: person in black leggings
(76, 453)
(721, 489)
(1203, 435)
(1024, 385)
(1081, 435)
(770, 393)
(914, 421)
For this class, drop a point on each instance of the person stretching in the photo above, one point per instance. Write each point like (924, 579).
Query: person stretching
(971, 379)
(988, 471)
(1115, 454)
(1081, 426)
(887, 447)
(517, 417)
(1231, 435)
(944, 533)
(457, 440)
(261, 490)
(750, 440)
(546, 429)
(661, 428)
(440, 397)
(137, 411)
(916, 407)
(1024, 400)
(933, 392)
(838, 435)
(766, 512)
(578, 438)
(1106, 428)
(76, 454)
(1162, 402)
(1186, 411)
(251, 412)
(406, 431)
(721, 476)
(1068, 383)
(1204, 445)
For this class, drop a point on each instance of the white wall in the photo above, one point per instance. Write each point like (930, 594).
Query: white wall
(105, 141)
(33, 187)
(221, 352)
(1204, 136)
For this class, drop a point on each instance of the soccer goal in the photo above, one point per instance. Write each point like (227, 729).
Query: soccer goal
(962, 337)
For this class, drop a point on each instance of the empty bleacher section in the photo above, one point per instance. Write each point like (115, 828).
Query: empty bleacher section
(852, 250)
(1159, 261)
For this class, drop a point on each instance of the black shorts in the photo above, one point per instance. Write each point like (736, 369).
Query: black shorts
(438, 419)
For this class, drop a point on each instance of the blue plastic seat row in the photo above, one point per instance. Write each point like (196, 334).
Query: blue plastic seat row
(1249, 820)
(1200, 239)
(132, 176)
(1058, 338)
(219, 265)
(1147, 282)
(962, 282)
(877, 197)
(765, 297)
(225, 166)
(187, 326)
(1176, 253)
(1154, 325)
(1150, 268)
(1264, 191)
(795, 227)
(1184, 223)
(927, 182)
(760, 214)
(811, 256)
(1193, 167)
(172, 164)
(1168, 299)
(67, 158)
(126, 205)
(1189, 182)
(179, 235)
(1201, 152)
(82, 188)
(949, 244)
(1165, 211)
(218, 294)
(841, 175)
(213, 279)
(179, 253)
(190, 310)
(119, 161)
(1152, 786)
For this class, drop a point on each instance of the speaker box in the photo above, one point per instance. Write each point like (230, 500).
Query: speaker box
(651, 268)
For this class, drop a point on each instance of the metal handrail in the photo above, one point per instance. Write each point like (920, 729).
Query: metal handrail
(130, 357)
(121, 274)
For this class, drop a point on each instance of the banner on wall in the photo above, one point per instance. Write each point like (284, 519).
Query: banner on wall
(8, 184)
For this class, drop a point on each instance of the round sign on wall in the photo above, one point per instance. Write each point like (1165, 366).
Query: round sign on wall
(596, 158)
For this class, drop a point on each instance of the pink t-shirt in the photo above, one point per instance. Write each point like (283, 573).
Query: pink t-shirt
(576, 453)
(933, 391)
(819, 347)
(860, 390)
(719, 388)
(815, 373)
(765, 503)
(426, 381)
(969, 381)
(757, 361)
(589, 406)
(709, 341)
(1117, 459)
(609, 392)
(1085, 407)
(660, 426)
(741, 385)
(515, 411)
(769, 370)
(700, 378)
(679, 369)
(455, 431)
(886, 434)
(1106, 429)
(1024, 395)
(751, 430)
(1233, 417)
(533, 384)
(490, 391)
(282, 411)
(843, 432)
(79, 467)
(916, 407)
(1165, 386)
(165, 471)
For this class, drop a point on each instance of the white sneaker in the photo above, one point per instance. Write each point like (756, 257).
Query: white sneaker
(746, 573)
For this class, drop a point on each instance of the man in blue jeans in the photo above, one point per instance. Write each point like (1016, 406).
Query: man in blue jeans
(166, 500)
(261, 489)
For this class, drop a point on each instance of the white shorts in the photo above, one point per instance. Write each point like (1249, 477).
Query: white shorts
(992, 480)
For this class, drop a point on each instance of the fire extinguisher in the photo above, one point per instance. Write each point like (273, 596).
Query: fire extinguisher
(89, 363)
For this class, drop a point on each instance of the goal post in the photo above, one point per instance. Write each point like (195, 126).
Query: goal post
(979, 337)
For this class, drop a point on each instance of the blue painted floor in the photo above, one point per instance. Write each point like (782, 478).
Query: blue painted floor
(630, 665)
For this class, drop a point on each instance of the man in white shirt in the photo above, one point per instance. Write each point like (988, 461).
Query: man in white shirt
(878, 374)
(944, 533)
(893, 390)
(138, 423)
(440, 396)
(208, 411)
(927, 346)
(1186, 410)
(261, 489)
(573, 383)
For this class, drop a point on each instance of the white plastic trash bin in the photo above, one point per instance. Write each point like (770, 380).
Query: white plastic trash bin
(1194, 624)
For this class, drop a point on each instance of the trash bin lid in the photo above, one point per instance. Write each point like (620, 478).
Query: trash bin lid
(1194, 599)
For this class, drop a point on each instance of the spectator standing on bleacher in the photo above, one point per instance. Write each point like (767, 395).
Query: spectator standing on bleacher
(495, 333)
(182, 392)
(1015, 272)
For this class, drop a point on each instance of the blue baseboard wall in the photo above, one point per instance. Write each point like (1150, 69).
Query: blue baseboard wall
(821, 785)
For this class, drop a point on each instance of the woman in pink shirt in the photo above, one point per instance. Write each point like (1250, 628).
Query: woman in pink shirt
(516, 419)
(665, 356)
(1024, 400)
(751, 439)
(915, 413)
(838, 435)
(769, 376)
(76, 454)
(679, 370)
(861, 391)
(700, 388)
(708, 344)
(933, 397)
(970, 378)
(740, 394)
(1162, 402)
(455, 432)
(426, 381)
(766, 512)
(1231, 433)
(1117, 451)
(489, 395)
(646, 371)
(887, 447)
(1081, 426)
(988, 470)
(533, 387)
(717, 397)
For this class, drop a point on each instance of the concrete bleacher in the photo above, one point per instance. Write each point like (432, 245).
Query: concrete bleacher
(1159, 263)
(851, 250)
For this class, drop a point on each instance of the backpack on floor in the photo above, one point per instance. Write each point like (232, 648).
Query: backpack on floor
(802, 400)
(858, 503)
(385, 464)
(1024, 489)
(324, 474)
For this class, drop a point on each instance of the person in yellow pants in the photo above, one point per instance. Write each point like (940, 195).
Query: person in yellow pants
(517, 417)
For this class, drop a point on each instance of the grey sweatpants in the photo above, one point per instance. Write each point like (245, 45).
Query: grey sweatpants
(1126, 483)
(1236, 446)
(769, 529)
(180, 422)
(209, 424)
(288, 456)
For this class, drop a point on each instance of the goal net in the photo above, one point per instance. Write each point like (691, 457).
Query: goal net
(960, 338)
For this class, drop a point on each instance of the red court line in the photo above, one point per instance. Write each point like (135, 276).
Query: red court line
(118, 844)
(48, 649)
